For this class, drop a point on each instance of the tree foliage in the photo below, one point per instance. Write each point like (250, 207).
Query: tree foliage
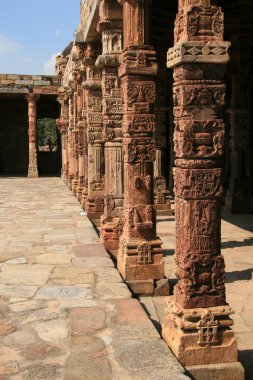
(47, 133)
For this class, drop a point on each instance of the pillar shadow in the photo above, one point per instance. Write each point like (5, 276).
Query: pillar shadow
(236, 244)
(168, 252)
(238, 275)
(246, 358)
(244, 221)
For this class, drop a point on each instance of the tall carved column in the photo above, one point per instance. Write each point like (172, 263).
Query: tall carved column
(198, 326)
(75, 180)
(32, 133)
(110, 25)
(94, 203)
(71, 141)
(140, 256)
(79, 76)
(62, 127)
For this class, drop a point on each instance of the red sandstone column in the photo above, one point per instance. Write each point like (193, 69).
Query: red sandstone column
(94, 202)
(78, 74)
(71, 141)
(75, 132)
(198, 326)
(140, 256)
(111, 27)
(32, 133)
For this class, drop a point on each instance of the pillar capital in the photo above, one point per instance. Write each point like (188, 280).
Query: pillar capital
(31, 97)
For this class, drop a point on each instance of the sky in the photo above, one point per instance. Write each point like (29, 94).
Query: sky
(32, 32)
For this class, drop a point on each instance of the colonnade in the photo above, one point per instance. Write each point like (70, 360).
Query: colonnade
(112, 160)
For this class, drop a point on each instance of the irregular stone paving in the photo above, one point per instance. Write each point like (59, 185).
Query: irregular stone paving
(237, 248)
(65, 312)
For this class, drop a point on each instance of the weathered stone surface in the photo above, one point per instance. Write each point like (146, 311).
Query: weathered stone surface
(88, 359)
(162, 287)
(128, 320)
(52, 258)
(18, 260)
(42, 372)
(21, 338)
(62, 292)
(15, 291)
(144, 357)
(52, 331)
(6, 328)
(41, 351)
(89, 250)
(72, 276)
(92, 262)
(25, 274)
(87, 321)
(112, 290)
(141, 287)
(10, 367)
(107, 275)
(227, 371)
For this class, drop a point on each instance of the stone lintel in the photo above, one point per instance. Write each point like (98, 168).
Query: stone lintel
(198, 52)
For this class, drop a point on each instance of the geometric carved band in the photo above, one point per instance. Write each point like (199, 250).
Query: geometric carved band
(198, 52)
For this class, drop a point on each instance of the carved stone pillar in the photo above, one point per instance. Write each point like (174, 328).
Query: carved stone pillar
(71, 142)
(140, 256)
(62, 125)
(75, 180)
(198, 325)
(161, 193)
(79, 76)
(32, 133)
(94, 203)
(110, 26)
(62, 129)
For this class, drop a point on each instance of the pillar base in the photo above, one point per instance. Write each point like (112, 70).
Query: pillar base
(79, 193)
(223, 371)
(149, 287)
(164, 209)
(140, 260)
(74, 186)
(33, 173)
(111, 230)
(200, 336)
(94, 206)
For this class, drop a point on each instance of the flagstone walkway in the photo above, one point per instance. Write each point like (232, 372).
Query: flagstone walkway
(65, 312)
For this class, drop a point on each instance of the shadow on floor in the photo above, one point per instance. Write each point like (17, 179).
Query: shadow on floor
(238, 275)
(246, 358)
(236, 244)
(244, 221)
(168, 252)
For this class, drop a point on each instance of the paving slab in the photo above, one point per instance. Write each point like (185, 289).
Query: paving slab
(65, 312)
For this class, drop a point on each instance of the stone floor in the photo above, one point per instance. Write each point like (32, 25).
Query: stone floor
(65, 312)
(237, 248)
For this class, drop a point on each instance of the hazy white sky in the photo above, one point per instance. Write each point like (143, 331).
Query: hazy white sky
(33, 31)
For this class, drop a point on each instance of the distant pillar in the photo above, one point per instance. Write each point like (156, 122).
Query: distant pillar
(32, 133)
(198, 327)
